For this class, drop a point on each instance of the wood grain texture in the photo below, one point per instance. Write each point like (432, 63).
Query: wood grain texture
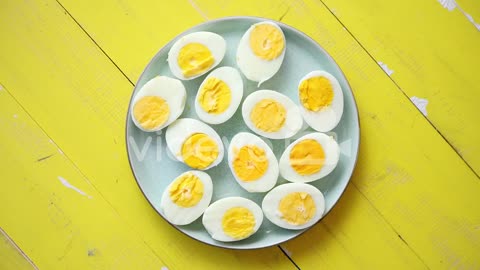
(12, 258)
(434, 55)
(54, 215)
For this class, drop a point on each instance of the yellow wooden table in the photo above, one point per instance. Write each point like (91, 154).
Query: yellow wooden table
(69, 200)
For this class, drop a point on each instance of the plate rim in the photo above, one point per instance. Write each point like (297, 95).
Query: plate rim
(216, 21)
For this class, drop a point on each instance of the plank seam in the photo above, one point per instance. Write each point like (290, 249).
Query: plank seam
(403, 92)
(10, 240)
(288, 256)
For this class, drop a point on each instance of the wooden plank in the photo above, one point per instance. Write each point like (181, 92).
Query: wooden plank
(11, 257)
(433, 55)
(81, 101)
(52, 212)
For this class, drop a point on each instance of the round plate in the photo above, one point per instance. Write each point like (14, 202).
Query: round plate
(154, 167)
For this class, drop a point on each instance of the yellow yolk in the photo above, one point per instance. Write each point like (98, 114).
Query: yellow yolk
(316, 93)
(268, 115)
(250, 163)
(186, 191)
(151, 112)
(297, 208)
(199, 151)
(307, 157)
(238, 222)
(266, 41)
(194, 59)
(215, 96)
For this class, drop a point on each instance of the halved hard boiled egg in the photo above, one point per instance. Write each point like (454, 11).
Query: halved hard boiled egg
(252, 162)
(294, 206)
(271, 114)
(194, 143)
(309, 158)
(232, 219)
(261, 51)
(158, 103)
(187, 197)
(321, 100)
(195, 54)
(219, 95)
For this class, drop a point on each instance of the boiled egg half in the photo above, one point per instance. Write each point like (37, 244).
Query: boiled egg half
(158, 103)
(194, 143)
(294, 206)
(187, 197)
(232, 219)
(252, 162)
(195, 54)
(309, 158)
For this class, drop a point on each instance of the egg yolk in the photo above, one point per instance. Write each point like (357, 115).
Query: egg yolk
(250, 163)
(297, 208)
(268, 115)
(316, 93)
(215, 96)
(199, 151)
(266, 41)
(187, 190)
(307, 157)
(151, 112)
(194, 59)
(238, 222)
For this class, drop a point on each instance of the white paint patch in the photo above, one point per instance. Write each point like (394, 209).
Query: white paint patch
(470, 18)
(448, 4)
(289, 253)
(195, 6)
(164, 268)
(15, 116)
(70, 186)
(420, 103)
(385, 68)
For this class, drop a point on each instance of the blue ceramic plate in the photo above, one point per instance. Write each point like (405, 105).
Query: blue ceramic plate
(154, 168)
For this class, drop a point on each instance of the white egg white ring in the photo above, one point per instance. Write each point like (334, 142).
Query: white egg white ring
(179, 215)
(214, 42)
(269, 179)
(212, 217)
(332, 155)
(271, 202)
(253, 67)
(293, 119)
(169, 89)
(232, 78)
(327, 118)
(179, 131)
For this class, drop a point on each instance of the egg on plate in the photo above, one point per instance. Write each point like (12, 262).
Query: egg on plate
(261, 51)
(195, 54)
(158, 103)
(219, 95)
(309, 158)
(194, 143)
(252, 162)
(271, 114)
(321, 99)
(187, 197)
(294, 206)
(232, 219)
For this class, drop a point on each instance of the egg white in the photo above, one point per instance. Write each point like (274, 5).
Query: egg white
(332, 155)
(179, 215)
(293, 118)
(327, 118)
(271, 201)
(171, 90)
(214, 42)
(179, 131)
(212, 217)
(231, 77)
(268, 180)
(253, 67)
